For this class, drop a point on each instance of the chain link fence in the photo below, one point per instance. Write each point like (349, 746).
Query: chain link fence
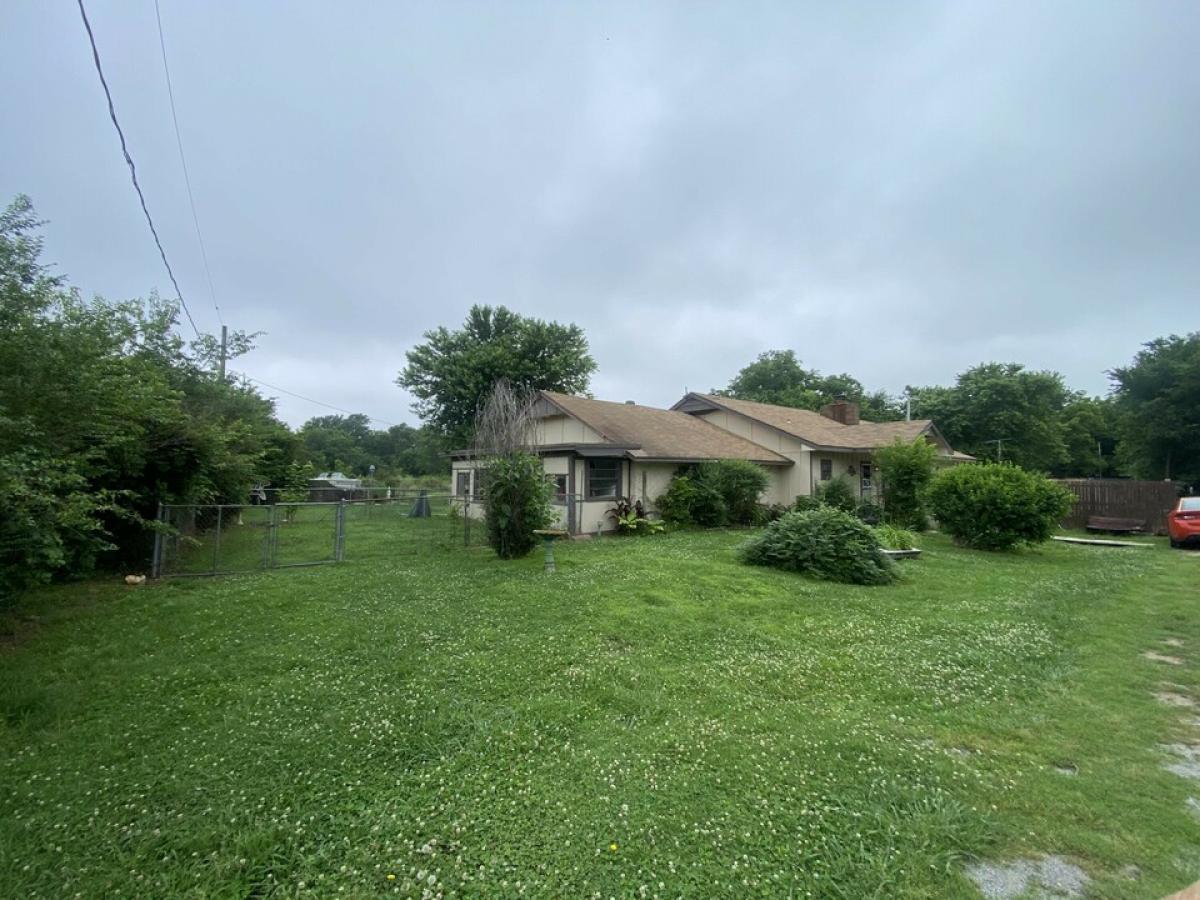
(197, 539)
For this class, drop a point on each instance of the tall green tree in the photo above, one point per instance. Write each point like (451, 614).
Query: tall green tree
(778, 377)
(1001, 409)
(1090, 437)
(104, 412)
(453, 371)
(1157, 398)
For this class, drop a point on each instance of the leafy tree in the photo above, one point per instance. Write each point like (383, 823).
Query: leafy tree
(778, 377)
(1090, 437)
(906, 469)
(337, 443)
(1157, 399)
(104, 413)
(452, 371)
(1001, 402)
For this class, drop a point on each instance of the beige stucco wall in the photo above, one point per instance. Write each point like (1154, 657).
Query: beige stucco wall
(841, 468)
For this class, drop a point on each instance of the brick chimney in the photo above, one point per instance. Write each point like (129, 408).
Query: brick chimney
(841, 410)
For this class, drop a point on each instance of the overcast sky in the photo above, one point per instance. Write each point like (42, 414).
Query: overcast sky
(898, 191)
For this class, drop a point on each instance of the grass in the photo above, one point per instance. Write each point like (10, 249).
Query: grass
(653, 720)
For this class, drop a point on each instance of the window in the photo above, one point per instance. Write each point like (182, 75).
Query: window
(462, 487)
(826, 469)
(560, 487)
(603, 478)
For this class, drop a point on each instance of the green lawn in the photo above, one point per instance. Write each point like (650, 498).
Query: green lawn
(654, 720)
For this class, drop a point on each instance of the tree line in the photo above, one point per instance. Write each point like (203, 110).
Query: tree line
(1148, 426)
(105, 412)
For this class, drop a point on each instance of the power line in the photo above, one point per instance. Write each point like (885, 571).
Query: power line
(112, 114)
(317, 402)
(183, 162)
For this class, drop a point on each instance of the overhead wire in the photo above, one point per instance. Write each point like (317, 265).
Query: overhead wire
(112, 114)
(317, 402)
(183, 162)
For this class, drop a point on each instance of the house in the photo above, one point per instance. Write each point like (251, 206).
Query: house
(596, 451)
(833, 443)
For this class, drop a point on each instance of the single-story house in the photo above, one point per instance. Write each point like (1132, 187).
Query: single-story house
(596, 451)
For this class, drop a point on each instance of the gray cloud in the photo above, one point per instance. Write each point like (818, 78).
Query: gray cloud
(897, 192)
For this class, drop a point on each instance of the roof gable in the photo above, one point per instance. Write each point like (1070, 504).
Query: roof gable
(814, 428)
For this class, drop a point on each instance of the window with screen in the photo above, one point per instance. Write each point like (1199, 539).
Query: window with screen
(826, 469)
(603, 478)
(559, 486)
(462, 486)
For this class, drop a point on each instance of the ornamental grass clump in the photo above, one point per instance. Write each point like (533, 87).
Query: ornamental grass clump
(824, 543)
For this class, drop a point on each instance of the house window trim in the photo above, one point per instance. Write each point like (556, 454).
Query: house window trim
(587, 478)
(558, 498)
(457, 486)
(821, 463)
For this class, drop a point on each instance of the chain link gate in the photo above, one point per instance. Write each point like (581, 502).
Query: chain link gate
(222, 539)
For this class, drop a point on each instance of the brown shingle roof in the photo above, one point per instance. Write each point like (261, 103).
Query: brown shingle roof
(661, 433)
(819, 431)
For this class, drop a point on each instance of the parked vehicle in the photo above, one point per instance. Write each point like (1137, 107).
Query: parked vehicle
(1183, 522)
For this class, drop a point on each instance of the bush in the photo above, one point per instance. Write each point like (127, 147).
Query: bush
(739, 483)
(906, 470)
(713, 494)
(996, 506)
(824, 543)
(769, 512)
(837, 493)
(893, 537)
(50, 525)
(869, 511)
(805, 502)
(517, 501)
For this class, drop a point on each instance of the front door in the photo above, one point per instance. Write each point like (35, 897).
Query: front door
(866, 488)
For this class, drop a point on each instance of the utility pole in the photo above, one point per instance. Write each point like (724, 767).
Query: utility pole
(224, 346)
(999, 442)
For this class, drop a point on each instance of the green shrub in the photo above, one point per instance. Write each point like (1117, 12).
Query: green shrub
(906, 469)
(837, 493)
(50, 524)
(739, 483)
(769, 512)
(714, 493)
(824, 543)
(688, 501)
(517, 501)
(869, 511)
(805, 502)
(996, 506)
(893, 537)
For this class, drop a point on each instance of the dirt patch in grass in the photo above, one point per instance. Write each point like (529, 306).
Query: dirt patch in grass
(1050, 875)
(1162, 658)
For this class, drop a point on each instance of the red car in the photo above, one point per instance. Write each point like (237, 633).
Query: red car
(1183, 522)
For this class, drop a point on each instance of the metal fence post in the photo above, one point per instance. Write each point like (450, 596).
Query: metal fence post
(339, 534)
(217, 543)
(156, 562)
(467, 521)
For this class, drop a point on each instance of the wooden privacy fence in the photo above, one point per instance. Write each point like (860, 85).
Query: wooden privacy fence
(1121, 497)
